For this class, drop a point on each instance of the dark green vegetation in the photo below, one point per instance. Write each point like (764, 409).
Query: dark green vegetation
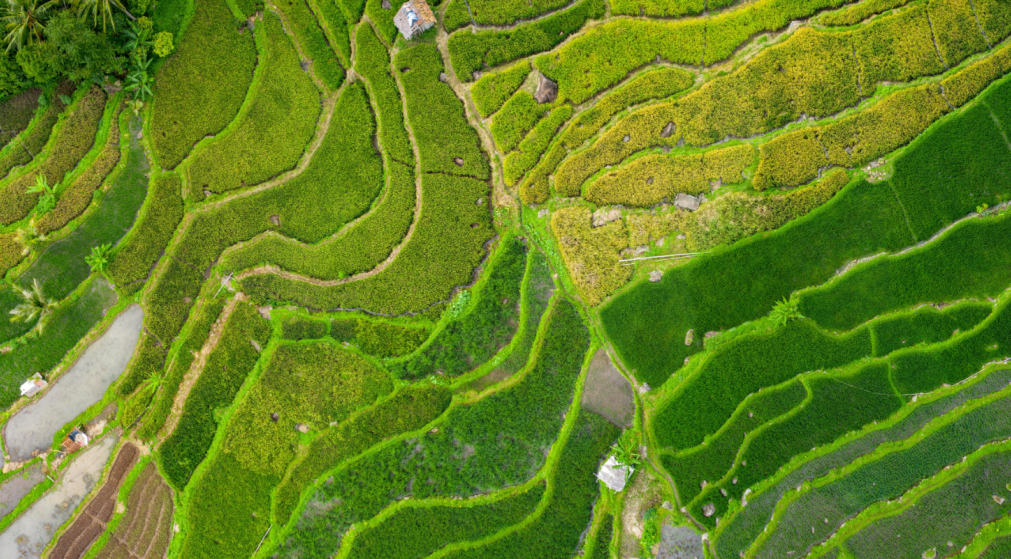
(484, 328)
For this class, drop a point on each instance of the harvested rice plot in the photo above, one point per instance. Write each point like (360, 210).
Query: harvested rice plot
(146, 527)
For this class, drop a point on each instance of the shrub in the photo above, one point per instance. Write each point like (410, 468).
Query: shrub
(744, 366)
(302, 22)
(422, 530)
(492, 90)
(373, 63)
(470, 52)
(135, 258)
(184, 353)
(73, 140)
(200, 89)
(64, 329)
(557, 532)
(360, 248)
(649, 180)
(528, 418)
(445, 248)
(467, 341)
(533, 145)
(591, 254)
(271, 135)
(226, 369)
(436, 116)
(517, 117)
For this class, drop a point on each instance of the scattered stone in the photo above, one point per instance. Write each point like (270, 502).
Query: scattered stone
(723, 492)
(680, 236)
(477, 75)
(113, 88)
(603, 216)
(547, 90)
(640, 250)
(644, 388)
(443, 77)
(543, 213)
(386, 5)
(702, 199)
(305, 64)
(690, 336)
(140, 134)
(265, 311)
(714, 184)
(256, 346)
(687, 359)
(302, 428)
(276, 220)
(686, 202)
(275, 416)
(733, 481)
(655, 276)
(668, 130)
(480, 201)
(627, 138)
(458, 161)
(708, 510)
(668, 505)
(661, 242)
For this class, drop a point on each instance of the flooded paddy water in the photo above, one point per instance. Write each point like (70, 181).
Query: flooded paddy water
(33, 427)
(28, 536)
(19, 485)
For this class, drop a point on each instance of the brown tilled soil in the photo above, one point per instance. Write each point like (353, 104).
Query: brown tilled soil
(607, 392)
(145, 530)
(91, 523)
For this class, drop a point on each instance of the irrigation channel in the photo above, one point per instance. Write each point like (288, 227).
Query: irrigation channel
(32, 429)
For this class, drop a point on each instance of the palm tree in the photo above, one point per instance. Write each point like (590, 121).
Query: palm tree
(22, 19)
(34, 304)
(41, 186)
(103, 8)
(28, 236)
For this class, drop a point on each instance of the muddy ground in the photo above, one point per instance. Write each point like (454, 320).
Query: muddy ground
(608, 392)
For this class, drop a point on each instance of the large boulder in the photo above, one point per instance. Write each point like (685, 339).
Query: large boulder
(686, 202)
(547, 90)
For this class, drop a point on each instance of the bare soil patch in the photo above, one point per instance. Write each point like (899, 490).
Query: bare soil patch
(608, 392)
(146, 528)
(91, 523)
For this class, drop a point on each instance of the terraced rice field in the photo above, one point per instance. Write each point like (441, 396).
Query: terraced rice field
(349, 289)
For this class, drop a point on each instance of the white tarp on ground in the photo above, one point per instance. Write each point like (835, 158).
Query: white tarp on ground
(614, 474)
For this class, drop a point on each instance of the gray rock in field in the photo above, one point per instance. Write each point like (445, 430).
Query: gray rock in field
(702, 199)
(690, 336)
(686, 202)
(668, 130)
(443, 77)
(387, 5)
(547, 90)
(708, 510)
(302, 428)
(680, 236)
(660, 242)
(655, 276)
(644, 388)
(543, 213)
(603, 216)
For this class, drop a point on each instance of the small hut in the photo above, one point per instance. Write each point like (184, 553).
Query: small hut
(76, 440)
(33, 385)
(614, 474)
(414, 18)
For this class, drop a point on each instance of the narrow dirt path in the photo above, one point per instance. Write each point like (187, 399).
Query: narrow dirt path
(197, 367)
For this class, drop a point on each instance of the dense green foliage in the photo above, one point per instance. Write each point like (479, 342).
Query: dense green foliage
(475, 336)
(421, 530)
(495, 88)
(224, 373)
(201, 87)
(528, 417)
(313, 41)
(133, 262)
(373, 63)
(271, 135)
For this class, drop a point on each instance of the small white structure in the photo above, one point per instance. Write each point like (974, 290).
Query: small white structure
(614, 474)
(414, 18)
(33, 385)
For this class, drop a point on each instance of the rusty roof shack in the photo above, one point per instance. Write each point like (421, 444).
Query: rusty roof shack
(76, 440)
(414, 18)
